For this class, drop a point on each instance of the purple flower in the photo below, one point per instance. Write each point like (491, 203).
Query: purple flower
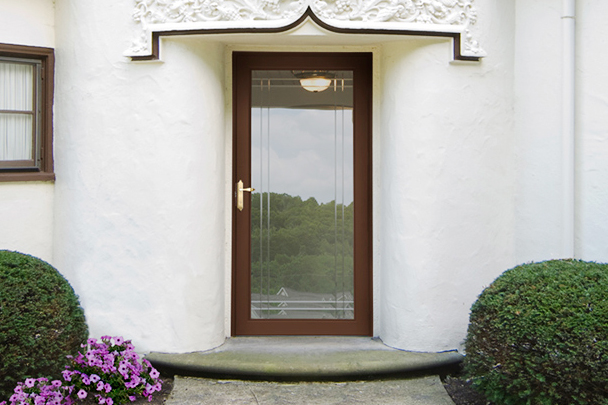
(91, 341)
(94, 378)
(56, 383)
(29, 382)
(109, 401)
(85, 379)
(132, 398)
(108, 388)
(154, 373)
(119, 340)
(130, 384)
(100, 386)
(67, 375)
(82, 394)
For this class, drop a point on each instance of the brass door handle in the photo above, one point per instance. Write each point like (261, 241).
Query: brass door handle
(239, 194)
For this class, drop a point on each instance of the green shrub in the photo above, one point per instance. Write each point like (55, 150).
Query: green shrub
(539, 335)
(41, 320)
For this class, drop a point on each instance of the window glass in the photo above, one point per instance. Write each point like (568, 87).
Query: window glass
(18, 114)
(16, 137)
(17, 84)
(302, 223)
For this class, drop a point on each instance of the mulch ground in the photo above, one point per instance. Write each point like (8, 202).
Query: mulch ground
(462, 392)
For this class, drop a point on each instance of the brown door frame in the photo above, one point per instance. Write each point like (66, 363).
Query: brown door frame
(361, 65)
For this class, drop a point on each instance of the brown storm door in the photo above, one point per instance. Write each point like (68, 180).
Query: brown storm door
(302, 194)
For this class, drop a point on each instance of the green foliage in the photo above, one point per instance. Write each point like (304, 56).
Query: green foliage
(300, 244)
(539, 335)
(41, 320)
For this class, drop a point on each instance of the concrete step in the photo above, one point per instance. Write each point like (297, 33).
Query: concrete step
(303, 359)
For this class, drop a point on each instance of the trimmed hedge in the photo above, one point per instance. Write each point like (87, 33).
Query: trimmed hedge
(539, 335)
(41, 321)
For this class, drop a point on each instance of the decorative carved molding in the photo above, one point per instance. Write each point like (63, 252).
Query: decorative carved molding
(449, 18)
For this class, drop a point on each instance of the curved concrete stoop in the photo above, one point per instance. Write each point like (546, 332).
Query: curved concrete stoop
(303, 358)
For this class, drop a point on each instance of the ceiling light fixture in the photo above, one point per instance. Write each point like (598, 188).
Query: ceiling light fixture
(314, 81)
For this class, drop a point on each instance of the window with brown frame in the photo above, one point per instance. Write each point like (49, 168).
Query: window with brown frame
(26, 109)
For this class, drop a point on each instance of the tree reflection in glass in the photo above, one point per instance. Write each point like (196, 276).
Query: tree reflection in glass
(302, 210)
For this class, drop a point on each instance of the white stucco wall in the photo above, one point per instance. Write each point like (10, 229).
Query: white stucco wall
(538, 130)
(467, 165)
(538, 111)
(26, 208)
(592, 132)
(143, 163)
(140, 181)
(447, 180)
(26, 215)
(27, 22)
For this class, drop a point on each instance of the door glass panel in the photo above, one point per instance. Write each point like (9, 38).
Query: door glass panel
(302, 207)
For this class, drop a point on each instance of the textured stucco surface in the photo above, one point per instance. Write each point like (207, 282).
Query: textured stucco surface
(447, 189)
(538, 130)
(26, 218)
(591, 240)
(140, 182)
(27, 22)
(467, 166)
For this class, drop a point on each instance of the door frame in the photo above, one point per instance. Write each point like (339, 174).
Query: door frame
(361, 65)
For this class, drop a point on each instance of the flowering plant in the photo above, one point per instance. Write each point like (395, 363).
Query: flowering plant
(40, 392)
(110, 373)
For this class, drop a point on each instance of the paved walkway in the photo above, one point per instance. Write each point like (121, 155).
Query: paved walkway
(417, 391)
(306, 370)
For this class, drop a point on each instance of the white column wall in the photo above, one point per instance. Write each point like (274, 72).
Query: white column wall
(447, 174)
(538, 130)
(140, 163)
(538, 89)
(591, 241)
(26, 208)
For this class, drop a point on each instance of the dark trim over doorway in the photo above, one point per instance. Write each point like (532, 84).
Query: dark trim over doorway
(361, 65)
(456, 36)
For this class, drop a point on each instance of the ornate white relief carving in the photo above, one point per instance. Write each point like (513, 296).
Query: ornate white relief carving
(188, 11)
(412, 15)
(449, 12)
